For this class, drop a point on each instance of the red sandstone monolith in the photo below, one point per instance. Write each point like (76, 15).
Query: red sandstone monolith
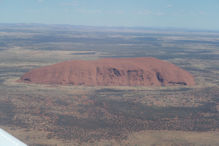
(111, 72)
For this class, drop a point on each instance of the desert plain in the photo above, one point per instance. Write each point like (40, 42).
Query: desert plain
(53, 115)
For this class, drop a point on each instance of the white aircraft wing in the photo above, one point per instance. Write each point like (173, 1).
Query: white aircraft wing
(7, 139)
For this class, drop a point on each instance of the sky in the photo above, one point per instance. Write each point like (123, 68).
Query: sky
(190, 14)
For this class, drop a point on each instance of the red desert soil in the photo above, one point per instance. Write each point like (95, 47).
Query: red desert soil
(111, 72)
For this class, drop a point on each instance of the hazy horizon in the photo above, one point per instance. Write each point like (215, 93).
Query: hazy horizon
(117, 27)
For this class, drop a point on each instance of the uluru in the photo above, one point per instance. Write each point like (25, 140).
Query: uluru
(111, 72)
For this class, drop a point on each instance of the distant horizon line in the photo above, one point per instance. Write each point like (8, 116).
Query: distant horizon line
(116, 27)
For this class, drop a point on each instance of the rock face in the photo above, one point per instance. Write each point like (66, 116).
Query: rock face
(111, 72)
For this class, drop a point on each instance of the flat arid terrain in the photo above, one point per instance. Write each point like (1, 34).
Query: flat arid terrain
(65, 115)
